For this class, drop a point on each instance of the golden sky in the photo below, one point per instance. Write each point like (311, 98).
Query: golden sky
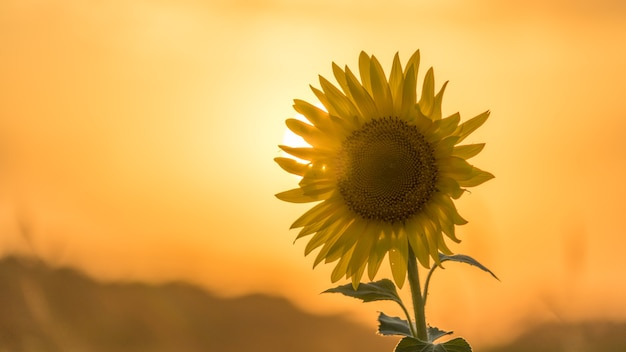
(137, 138)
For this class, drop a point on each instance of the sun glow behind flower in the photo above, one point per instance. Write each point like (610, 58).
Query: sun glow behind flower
(292, 139)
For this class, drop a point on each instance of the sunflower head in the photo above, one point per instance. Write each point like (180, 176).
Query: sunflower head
(384, 168)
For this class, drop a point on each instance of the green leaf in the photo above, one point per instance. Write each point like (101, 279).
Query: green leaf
(435, 333)
(383, 290)
(410, 344)
(462, 258)
(393, 326)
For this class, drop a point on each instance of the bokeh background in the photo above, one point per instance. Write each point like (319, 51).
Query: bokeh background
(137, 138)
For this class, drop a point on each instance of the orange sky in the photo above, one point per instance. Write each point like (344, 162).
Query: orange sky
(137, 137)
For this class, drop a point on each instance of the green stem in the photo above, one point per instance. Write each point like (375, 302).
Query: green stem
(427, 282)
(408, 318)
(418, 301)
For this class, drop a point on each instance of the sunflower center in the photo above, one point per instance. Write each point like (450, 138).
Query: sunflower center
(386, 170)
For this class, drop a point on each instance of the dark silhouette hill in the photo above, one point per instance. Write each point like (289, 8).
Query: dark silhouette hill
(601, 336)
(43, 309)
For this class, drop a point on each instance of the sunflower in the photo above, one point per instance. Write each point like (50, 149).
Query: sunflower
(384, 168)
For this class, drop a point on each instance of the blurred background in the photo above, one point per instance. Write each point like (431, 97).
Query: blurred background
(137, 138)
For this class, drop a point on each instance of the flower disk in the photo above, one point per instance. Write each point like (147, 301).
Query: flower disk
(384, 168)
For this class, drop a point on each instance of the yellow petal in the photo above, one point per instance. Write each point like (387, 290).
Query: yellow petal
(302, 153)
(446, 223)
(398, 258)
(324, 236)
(447, 204)
(340, 103)
(449, 186)
(445, 147)
(467, 151)
(316, 214)
(336, 116)
(341, 267)
(379, 250)
(413, 64)
(319, 188)
(469, 126)
(339, 229)
(309, 229)
(350, 236)
(295, 196)
(364, 101)
(428, 93)
(456, 168)
(435, 114)
(396, 83)
(311, 134)
(409, 93)
(446, 126)
(364, 70)
(380, 89)
(340, 76)
(291, 166)
(356, 276)
(420, 248)
(477, 177)
(362, 250)
(433, 237)
(315, 115)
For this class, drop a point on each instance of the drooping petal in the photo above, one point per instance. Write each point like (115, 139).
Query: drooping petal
(447, 204)
(379, 250)
(340, 269)
(362, 251)
(356, 275)
(398, 257)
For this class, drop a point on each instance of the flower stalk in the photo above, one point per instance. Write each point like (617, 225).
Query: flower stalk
(418, 300)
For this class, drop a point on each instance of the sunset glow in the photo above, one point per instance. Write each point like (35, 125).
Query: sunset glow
(137, 138)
